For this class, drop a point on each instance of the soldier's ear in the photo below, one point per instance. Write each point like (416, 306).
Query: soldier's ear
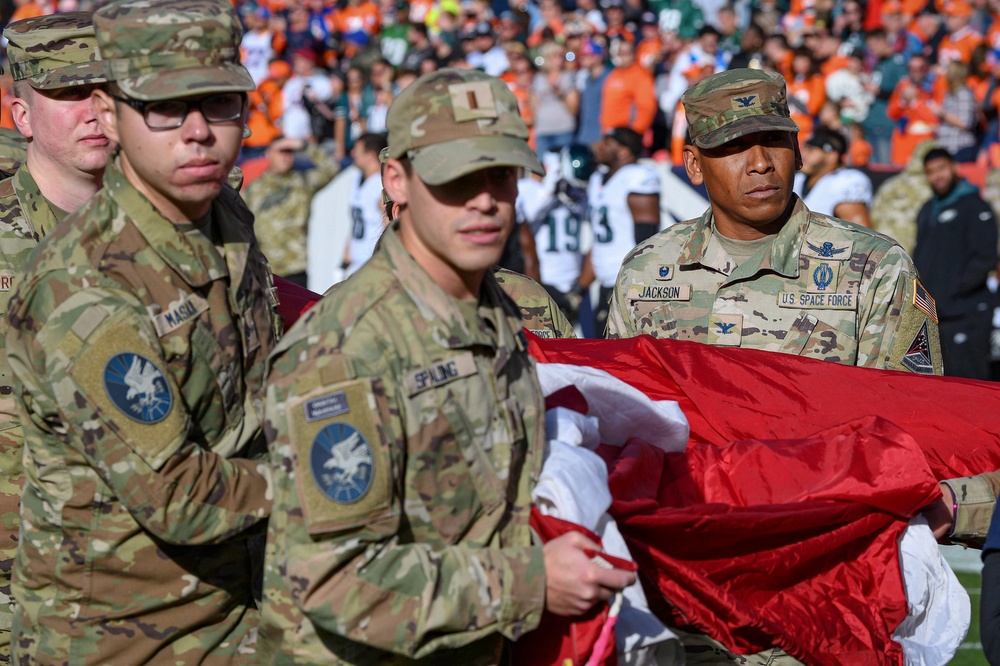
(692, 164)
(20, 113)
(107, 117)
(395, 182)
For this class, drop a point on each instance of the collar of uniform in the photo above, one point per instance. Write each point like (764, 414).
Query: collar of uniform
(198, 265)
(784, 256)
(454, 331)
(35, 208)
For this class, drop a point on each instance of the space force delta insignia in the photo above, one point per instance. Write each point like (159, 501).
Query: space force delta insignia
(918, 357)
(342, 463)
(659, 292)
(440, 373)
(137, 388)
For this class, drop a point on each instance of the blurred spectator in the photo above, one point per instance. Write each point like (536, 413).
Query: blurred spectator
(859, 151)
(367, 214)
(778, 56)
(25, 9)
(806, 92)
(555, 209)
(486, 54)
(901, 40)
(351, 111)
(306, 80)
(628, 99)
(927, 31)
(957, 115)
(394, 36)
(617, 33)
(554, 101)
(910, 107)
(826, 185)
(849, 25)
(751, 53)
(703, 50)
(898, 200)
(265, 108)
(300, 35)
(323, 115)
(624, 201)
(889, 68)
(955, 253)
(649, 51)
(354, 23)
(421, 48)
(257, 48)
(280, 199)
(590, 82)
(523, 75)
(847, 88)
(550, 22)
(961, 39)
(729, 31)
(682, 17)
(592, 14)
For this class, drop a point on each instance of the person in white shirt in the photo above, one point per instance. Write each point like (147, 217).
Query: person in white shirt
(826, 186)
(624, 209)
(367, 213)
(306, 81)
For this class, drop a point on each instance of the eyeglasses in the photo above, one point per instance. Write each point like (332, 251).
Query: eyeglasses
(171, 113)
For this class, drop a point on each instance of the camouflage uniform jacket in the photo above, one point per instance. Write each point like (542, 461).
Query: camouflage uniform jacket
(138, 347)
(824, 288)
(13, 150)
(25, 216)
(539, 313)
(405, 431)
(281, 205)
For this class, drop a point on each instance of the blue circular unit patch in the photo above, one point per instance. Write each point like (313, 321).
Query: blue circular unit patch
(138, 388)
(341, 463)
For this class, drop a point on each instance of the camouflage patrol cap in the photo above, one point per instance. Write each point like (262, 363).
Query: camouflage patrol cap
(57, 51)
(453, 122)
(734, 103)
(164, 49)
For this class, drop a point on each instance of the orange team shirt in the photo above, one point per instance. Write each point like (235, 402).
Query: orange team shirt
(266, 107)
(30, 10)
(811, 92)
(363, 18)
(959, 46)
(648, 51)
(628, 99)
(834, 64)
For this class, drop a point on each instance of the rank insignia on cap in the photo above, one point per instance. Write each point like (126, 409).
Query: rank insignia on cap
(342, 464)
(748, 102)
(472, 100)
(918, 357)
(138, 388)
(924, 301)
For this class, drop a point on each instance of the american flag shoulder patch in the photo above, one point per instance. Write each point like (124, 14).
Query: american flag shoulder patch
(923, 301)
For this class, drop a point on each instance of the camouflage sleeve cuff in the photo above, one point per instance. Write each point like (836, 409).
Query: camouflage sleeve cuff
(975, 497)
(524, 597)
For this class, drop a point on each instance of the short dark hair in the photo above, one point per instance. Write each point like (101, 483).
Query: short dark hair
(828, 140)
(627, 137)
(937, 154)
(373, 142)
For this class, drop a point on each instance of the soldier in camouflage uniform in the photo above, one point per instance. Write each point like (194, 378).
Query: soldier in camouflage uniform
(539, 313)
(13, 150)
(53, 63)
(405, 423)
(280, 199)
(898, 200)
(758, 269)
(138, 339)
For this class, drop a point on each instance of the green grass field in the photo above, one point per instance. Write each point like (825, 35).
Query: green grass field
(971, 652)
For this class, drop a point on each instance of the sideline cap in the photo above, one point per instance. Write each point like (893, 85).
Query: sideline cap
(828, 141)
(734, 103)
(453, 122)
(57, 51)
(164, 49)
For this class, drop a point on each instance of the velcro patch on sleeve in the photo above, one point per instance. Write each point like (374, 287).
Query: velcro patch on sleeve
(343, 467)
(923, 301)
(125, 378)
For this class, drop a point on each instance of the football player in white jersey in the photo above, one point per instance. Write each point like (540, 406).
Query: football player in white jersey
(555, 210)
(828, 187)
(367, 215)
(624, 209)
